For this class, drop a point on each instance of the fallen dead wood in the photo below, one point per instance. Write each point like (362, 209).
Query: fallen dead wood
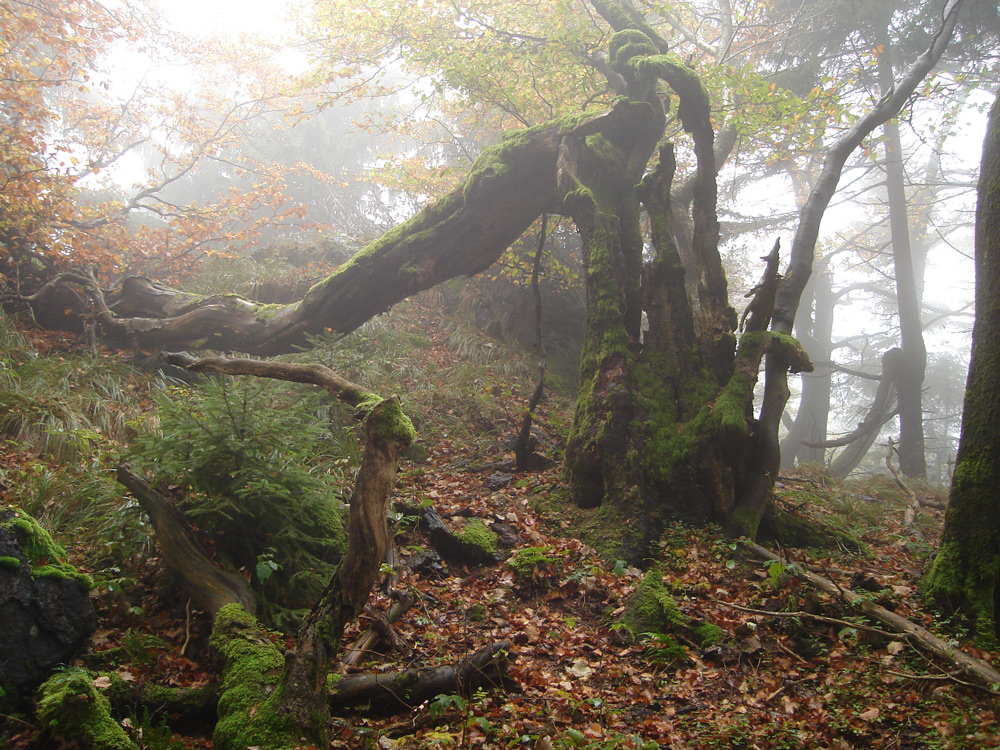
(976, 670)
(384, 693)
(210, 585)
(403, 691)
(380, 627)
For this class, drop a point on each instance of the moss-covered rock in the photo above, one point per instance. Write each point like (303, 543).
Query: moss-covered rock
(476, 534)
(47, 612)
(71, 710)
(651, 608)
(532, 562)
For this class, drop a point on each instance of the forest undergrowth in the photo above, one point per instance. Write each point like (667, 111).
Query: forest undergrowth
(776, 676)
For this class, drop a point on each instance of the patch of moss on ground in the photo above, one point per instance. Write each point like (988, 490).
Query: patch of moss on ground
(527, 560)
(604, 528)
(708, 634)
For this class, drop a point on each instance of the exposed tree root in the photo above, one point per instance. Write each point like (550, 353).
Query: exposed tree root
(211, 586)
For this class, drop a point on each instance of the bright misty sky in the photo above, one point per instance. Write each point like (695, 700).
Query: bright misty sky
(206, 17)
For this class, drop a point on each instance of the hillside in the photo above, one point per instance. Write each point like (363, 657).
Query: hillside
(750, 656)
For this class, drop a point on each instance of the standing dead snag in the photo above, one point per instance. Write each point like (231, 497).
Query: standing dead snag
(257, 708)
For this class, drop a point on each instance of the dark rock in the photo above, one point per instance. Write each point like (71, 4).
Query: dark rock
(44, 618)
(451, 546)
(498, 480)
(507, 536)
(429, 563)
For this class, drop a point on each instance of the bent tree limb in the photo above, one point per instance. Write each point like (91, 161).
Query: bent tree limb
(883, 408)
(508, 187)
(256, 707)
(976, 670)
(211, 586)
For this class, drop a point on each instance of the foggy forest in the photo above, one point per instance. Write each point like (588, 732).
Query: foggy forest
(509, 374)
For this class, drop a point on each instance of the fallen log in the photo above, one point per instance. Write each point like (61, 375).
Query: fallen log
(384, 693)
(976, 670)
(404, 691)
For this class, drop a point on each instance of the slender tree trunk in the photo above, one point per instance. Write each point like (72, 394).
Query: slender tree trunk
(804, 245)
(912, 461)
(965, 574)
(815, 333)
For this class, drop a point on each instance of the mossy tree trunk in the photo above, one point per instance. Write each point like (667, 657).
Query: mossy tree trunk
(965, 574)
(663, 425)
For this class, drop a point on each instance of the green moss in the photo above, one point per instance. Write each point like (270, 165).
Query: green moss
(266, 312)
(70, 708)
(651, 608)
(46, 558)
(627, 44)
(603, 528)
(525, 561)
(971, 471)
(708, 634)
(11, 563)
(392, 424)
(57, 571)
(792, 531)
(476, 534)
(253, 666)
(744, 522)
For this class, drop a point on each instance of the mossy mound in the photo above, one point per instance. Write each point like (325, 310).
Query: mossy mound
(47, 612)
(651, 608)
(70, 709)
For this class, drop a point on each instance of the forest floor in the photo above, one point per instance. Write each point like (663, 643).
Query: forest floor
(778, 679)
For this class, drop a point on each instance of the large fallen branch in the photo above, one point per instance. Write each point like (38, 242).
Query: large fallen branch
(976, 670)
(384, 693)
(402, 691)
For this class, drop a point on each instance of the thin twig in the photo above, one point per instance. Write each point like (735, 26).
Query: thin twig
(811, 616)
(187, 625)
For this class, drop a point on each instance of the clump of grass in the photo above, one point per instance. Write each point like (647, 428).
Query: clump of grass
(63, 406)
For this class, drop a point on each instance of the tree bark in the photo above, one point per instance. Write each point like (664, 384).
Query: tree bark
(814, 330)
(402, 691)
(909, 384)
(209, 585)
(965, 574)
